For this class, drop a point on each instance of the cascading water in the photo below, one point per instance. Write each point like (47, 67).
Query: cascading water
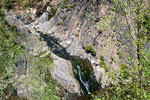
(81, 67)
(85, 84)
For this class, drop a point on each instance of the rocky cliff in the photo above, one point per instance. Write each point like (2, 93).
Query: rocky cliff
(65, 29)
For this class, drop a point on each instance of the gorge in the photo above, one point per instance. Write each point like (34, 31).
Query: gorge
(74, 50)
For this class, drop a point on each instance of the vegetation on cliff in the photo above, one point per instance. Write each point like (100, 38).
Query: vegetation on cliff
(15, 61)
(134, 81)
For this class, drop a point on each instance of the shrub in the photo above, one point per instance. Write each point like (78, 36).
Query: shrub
(53, 12)
(65, 1)
(90, 49)
(9, 49)
(8, 3)
(103, 64)
(102, 58)
(124, 71)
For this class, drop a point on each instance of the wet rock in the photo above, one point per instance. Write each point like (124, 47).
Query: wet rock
(75, 32)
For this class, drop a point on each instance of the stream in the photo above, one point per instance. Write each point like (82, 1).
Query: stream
(82, 68)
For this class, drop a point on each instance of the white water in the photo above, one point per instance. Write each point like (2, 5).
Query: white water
(85, 84)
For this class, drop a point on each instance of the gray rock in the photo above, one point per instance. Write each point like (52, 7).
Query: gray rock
(67, 42)
(12, 20)
(98, 73)
(75, 49)
(43, 18)
(64, 75)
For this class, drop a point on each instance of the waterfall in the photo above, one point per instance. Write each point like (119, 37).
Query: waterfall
(85, 84)
(84, 76)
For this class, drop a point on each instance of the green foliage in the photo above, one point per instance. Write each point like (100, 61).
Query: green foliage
(60, 23)
(53, 12)
(102, 58)
(91, 16)
(25, 3)
(103, 65)
(50, 91)
(42, 77)
(9, 48)
(64, 1)
(120, 55)
(67, 6)
(10, 51)
(90, 49)
(124, 71)
(46, 60)
(2, 15)
(42, 86)
(134, 80)
(9, 4)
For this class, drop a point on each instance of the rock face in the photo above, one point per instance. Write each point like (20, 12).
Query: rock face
(62, 69)
(74, 27)
(77, 27)
(63, 73)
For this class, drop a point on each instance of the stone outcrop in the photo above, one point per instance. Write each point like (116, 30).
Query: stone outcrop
(76, 26)
(35, 45)
(63, 73)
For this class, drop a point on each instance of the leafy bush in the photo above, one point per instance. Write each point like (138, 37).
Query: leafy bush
(65, 1)
(124, 71)
(10, 51)
(53, 12)
(90, 49)
(9, 4)
(103, 65)
(41, 76)
(102, 58)
(9, 48)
